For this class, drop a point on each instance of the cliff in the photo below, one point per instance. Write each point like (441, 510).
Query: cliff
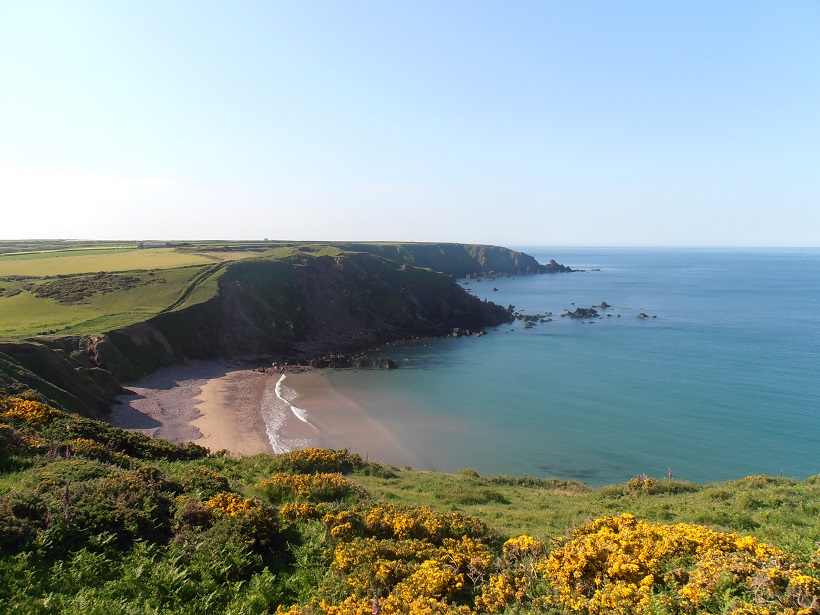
(458, 259)
(305, 304)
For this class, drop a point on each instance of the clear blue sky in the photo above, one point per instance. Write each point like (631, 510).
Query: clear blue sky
(526, 123)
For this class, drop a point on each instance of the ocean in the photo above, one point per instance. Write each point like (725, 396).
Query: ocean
(721, 383)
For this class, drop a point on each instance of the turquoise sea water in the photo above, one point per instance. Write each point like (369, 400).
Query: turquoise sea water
(722, 384)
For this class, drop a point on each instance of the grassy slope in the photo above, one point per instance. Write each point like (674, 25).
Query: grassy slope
(24, 315)
(190, 273)
(92, 260)
(190, 277)
(133, 527)
(781, 511)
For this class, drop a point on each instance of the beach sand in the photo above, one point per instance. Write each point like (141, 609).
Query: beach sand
(220, 405)
(212, 403)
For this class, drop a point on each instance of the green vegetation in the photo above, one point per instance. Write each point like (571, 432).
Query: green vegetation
(73, 262)
(116, 326)
(97, 520)
(88, 303)
(92, 288)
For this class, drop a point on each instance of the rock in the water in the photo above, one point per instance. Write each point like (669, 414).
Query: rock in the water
(584, 313)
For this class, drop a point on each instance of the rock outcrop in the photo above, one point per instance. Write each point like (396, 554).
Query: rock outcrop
(304, 307)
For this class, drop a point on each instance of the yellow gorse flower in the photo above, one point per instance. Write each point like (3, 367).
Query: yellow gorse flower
(231, 504)
(31, 411)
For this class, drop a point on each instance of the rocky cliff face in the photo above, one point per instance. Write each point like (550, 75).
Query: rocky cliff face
(458, 259)
(286, 308)
(322, 304)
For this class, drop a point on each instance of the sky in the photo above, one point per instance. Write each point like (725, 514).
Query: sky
(572, 123)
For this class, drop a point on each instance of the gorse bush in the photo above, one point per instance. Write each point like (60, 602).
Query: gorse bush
(314, 460)
(74, 289)
(27, 411)
(67, 501)
(97, 520)
(623, 564)
(319, 487)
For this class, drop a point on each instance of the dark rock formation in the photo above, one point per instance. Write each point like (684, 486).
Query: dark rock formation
(583, 313)
(312, 307)
(459, 260)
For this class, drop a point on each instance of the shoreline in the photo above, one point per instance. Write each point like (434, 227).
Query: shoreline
(337, 421)
(214, 404)
(221, 405)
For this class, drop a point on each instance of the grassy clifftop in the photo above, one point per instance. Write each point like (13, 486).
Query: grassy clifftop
(453, 258)
(67, 289)
(97, 520)
(74, 335)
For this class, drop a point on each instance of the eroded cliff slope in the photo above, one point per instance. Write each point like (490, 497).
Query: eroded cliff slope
(305, 304)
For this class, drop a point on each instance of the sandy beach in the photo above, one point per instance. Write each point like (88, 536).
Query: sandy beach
(212, 403)
(220, 405)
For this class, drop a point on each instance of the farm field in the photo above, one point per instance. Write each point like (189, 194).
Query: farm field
(74, 288)
(62, 288)
(91, 260)
(115, 300)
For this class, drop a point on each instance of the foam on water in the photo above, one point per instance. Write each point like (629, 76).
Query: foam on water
(275, 410)
(299, 413)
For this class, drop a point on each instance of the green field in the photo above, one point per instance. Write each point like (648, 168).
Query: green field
(160, 279)
(24, 314)
(166, 278)
(70, 262)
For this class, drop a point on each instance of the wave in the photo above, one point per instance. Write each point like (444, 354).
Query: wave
(275, 410)
(299, 413)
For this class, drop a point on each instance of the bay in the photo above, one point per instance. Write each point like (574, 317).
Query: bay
(723, 383)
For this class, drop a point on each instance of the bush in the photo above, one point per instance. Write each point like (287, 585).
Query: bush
(65, 502)
(313, 460)
(252, 521)
(319, 487)
(203, 481)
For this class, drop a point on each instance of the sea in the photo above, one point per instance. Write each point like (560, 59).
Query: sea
(721, 381)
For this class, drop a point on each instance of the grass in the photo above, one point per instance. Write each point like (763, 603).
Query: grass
(127, 524)
(190, 273)
(781, 511)
(90, 260)
(25, 315)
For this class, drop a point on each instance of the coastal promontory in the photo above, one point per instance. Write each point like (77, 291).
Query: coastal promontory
(120, 319)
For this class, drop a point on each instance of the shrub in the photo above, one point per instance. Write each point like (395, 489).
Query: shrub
(254, 522)
(205, 482)
(66, 502)
(621, 564)
(18, 410)
(403, 522)
(313, 460)
(320, 487)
